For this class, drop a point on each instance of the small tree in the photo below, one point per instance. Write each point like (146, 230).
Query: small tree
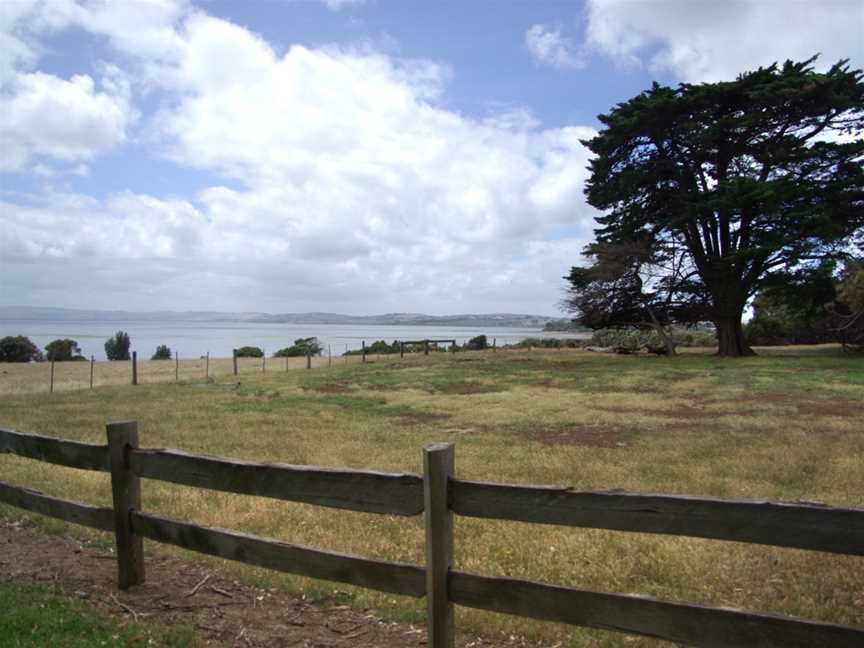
(301, 347)
(162, 353)
(117, 347)
(18, 349)
(250, 352)
(478, 343)
(63, 350)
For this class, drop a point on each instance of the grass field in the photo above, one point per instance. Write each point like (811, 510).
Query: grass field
(786, 426)
(37, 617)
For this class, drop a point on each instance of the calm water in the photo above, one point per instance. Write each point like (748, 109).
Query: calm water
(193, 339)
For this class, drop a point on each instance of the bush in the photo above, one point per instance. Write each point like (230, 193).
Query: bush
(478, 343)
(162, 353)
(250, 352)
(18, 349)
(117, 347)
(635, 339)
(300, 348)
(63, 351)
(547, 343)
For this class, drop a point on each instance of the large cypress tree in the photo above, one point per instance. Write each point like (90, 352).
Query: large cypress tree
(748, 178)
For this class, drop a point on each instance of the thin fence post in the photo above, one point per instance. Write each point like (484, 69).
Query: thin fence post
(286, 364)
(92, 363)
(329, 357)
(207, 365)
(494, 344)
(176, 366)
(234, 355)
(51, 380)
(263, 360)
(346, 353)
(126, 492)
(401, 350)
(134, 367)
(364, 350)
(426, 347)
(438, 468)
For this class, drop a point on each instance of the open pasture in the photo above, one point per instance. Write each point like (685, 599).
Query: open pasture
(785, 427)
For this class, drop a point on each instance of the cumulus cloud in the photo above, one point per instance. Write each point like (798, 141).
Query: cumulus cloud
(710, 41)
(349, 182)
(548, 46)
(68, 120)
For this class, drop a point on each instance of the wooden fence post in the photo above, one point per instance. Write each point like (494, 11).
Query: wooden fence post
(438, 466)
(92, 362)
(234, 355)
(263, 360)
(329, 357)
(207, 366)
(364, 350)
(51, 385)
(494, 343)
(134, 367)
(286, 364)
(401, 349)
(426, 347)
(176, 366)
(126, 492)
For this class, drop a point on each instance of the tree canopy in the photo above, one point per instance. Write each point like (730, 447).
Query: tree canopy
(17, 348)
(63, 350)
(117, 347)
(711, 190)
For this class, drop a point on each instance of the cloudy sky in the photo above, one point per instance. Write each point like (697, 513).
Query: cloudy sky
(339, 155)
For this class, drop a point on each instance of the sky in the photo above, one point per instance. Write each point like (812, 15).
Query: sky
(351, 156)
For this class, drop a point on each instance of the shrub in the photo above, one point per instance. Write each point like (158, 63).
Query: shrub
(250, 352)
(18, 349)
(162, 353)
(301, 347)
(478, 343)
(547, 343)
(117, 347)
(635, 339)
(63, 351)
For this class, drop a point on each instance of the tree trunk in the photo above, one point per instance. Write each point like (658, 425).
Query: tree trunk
(730, 335)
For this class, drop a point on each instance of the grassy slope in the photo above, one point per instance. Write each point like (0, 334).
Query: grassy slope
(35, 617)
(785, 427)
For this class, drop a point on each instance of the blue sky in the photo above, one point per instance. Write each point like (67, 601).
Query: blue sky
(356, 157)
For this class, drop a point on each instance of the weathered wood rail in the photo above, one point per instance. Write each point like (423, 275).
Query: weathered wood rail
(438, 495)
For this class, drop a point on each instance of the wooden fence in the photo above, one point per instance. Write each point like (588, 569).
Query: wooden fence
(439, 495)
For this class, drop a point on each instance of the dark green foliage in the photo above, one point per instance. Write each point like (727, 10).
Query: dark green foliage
(383, 348)
(117, 347)
(63, 351)
(162, 353)
(250, 352)
(300, 348)
(708, 190)
(546, 343)
(635, 339)
(478, 343)
(18, 349)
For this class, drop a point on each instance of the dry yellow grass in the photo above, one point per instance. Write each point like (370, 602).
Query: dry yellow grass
(773, 427)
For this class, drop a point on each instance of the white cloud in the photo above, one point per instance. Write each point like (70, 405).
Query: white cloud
(352, 187)
(548, 46)
(41, 114)
(710, 41)
(336, 5)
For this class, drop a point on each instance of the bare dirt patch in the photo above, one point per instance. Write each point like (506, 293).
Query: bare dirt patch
(466, 387)
(179, 592)
(582, 436)
(331, 388)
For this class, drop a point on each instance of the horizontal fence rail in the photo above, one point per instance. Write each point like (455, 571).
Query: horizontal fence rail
(692, 625)
(439, 496)
(356, 490)
(56, 451)
(802, 526)
(96, 517)
(385, 576)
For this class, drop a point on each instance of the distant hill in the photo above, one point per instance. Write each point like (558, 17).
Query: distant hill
(40, 313)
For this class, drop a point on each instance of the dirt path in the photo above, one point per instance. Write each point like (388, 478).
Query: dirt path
(183, 592)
